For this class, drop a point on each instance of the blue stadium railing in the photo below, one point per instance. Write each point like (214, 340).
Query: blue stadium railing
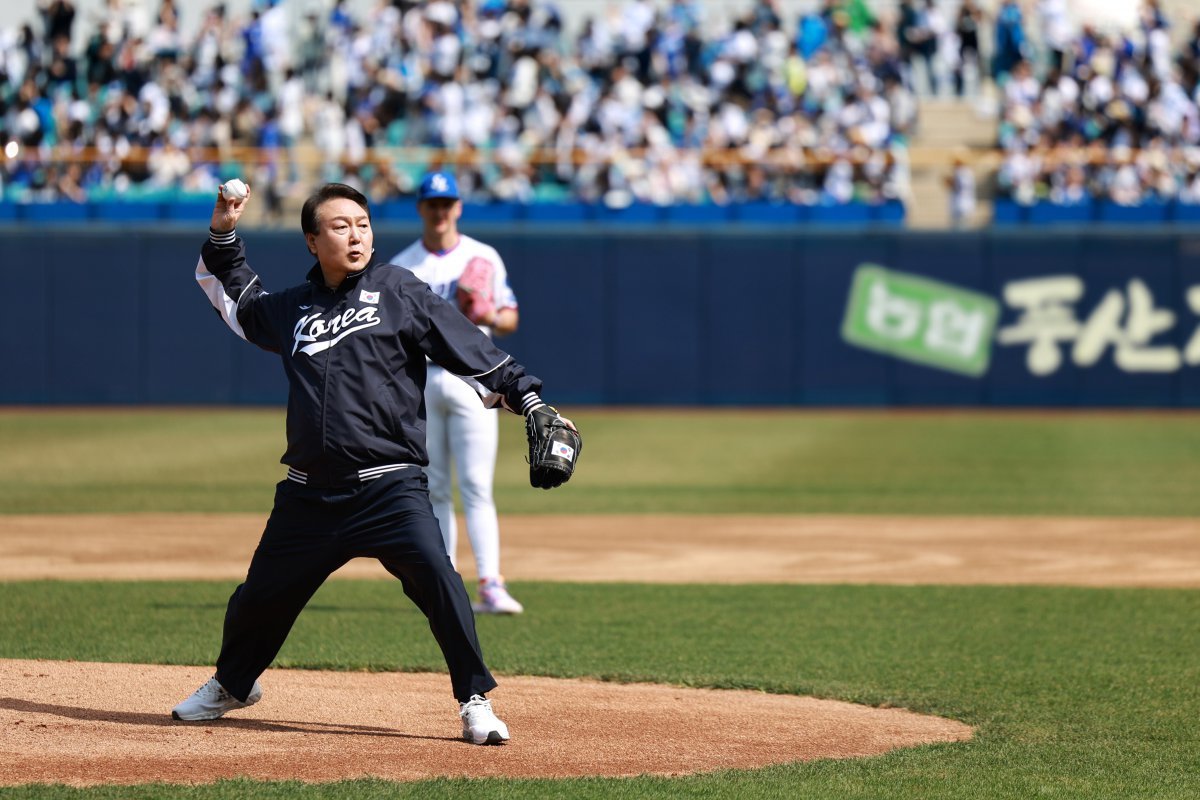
(1044, 213)
(890, 213)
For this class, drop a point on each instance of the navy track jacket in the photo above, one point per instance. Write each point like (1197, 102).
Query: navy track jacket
(355, 360)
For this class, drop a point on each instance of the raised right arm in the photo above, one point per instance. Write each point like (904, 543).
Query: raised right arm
(231, 285)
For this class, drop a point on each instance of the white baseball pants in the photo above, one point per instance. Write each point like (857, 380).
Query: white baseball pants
(462, 432)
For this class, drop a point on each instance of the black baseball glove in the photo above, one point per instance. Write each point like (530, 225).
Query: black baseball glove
(554, 447)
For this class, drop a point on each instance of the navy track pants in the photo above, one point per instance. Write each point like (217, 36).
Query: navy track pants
(312, 532)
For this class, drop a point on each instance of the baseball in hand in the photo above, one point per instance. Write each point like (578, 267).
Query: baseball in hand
(235, 189)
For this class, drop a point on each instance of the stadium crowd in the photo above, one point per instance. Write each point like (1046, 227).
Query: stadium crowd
(1113, 118)
(653, 103)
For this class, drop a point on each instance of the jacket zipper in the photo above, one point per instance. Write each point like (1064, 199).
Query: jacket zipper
(325, 392)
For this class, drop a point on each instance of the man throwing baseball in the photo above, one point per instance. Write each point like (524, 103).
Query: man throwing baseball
(462, 433)
(354, 339)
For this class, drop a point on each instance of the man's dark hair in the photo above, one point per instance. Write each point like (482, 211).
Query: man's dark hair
(330, 191)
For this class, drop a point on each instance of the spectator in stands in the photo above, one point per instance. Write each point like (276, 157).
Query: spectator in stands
(1068, 185)
(1189, 192)
(61, 73)
(917, 39)
(1010, 40)
(58, 19)
(960, 185)
(69, 185)
(1191, 53)
(25, 60)
(1056, 32)
(812, 35)
(966, 27)
(168, 165)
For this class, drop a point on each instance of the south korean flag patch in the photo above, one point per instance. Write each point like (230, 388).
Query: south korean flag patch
(369, 297)
(554, 447)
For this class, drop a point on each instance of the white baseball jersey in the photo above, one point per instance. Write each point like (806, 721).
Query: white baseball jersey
(459, 428)
(442, 270)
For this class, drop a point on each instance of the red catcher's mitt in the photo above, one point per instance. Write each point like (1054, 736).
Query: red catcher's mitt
(474, 293)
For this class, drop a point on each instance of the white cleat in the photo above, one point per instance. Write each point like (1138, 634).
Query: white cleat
(480, 724)
(211, 701)
(495, 599)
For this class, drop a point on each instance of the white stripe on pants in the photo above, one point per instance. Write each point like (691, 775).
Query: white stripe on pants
(462, 430)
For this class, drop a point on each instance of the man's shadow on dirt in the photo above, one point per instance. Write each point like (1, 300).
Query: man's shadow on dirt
(164, 720)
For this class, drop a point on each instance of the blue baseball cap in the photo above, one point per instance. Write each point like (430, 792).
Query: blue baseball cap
(438, 184)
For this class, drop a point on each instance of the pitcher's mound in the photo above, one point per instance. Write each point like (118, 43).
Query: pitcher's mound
(84, 723)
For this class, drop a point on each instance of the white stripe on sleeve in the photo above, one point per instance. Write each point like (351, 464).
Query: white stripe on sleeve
(222, 302)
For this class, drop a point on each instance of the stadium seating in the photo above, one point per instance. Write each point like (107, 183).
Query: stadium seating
(397, 136)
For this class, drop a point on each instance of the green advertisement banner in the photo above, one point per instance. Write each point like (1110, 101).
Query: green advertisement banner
(920, 320)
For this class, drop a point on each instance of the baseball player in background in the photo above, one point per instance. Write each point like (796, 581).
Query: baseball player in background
(354, 340)
(462, 434)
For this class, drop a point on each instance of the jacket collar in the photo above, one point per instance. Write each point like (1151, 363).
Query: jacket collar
(317, 278)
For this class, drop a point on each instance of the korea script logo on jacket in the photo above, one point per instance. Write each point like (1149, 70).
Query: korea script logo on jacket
(312, 328)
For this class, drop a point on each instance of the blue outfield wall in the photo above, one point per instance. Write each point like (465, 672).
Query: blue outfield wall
(730, 315)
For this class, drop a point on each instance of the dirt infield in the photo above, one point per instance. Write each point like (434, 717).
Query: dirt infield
(81, 723)
(84, 724)
(660, 549)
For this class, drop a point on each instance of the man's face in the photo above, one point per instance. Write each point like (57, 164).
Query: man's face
(344, 240)
(440, 214)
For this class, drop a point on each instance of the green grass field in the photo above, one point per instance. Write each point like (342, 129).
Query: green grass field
(1076, 693)
(652, 461)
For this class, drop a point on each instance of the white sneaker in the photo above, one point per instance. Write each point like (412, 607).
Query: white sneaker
(211, 701)
(495, 599)
(480, 725)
